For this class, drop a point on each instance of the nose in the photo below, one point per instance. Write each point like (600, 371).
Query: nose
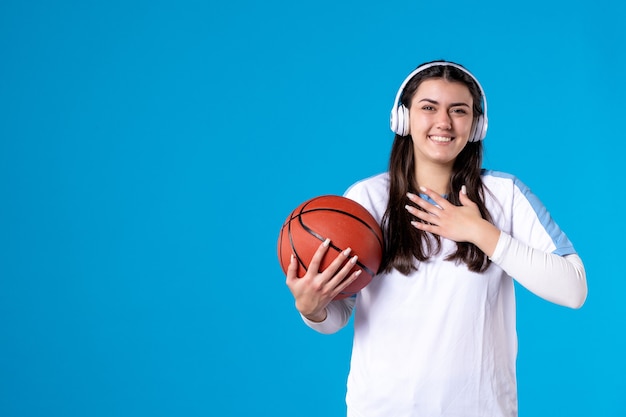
(444, 121)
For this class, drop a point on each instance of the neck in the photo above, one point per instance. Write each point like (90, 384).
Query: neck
(433, 176)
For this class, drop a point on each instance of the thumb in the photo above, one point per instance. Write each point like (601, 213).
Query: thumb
(465, 200)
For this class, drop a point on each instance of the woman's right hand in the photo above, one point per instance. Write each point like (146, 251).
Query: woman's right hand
(315, 290)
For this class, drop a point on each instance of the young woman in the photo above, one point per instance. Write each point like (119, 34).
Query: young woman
(434, 332)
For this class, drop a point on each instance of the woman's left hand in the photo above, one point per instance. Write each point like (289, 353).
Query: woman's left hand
(462, 223)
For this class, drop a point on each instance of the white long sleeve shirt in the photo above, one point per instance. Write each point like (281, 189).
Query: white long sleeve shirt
(442, 340)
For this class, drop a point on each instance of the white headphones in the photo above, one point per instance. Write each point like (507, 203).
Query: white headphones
(399, 119)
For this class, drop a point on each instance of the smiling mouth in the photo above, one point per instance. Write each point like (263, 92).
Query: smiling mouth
(441, 139)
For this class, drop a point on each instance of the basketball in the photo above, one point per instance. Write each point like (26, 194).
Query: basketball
(346, 223)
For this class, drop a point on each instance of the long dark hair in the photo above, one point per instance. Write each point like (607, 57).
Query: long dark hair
(404, 244)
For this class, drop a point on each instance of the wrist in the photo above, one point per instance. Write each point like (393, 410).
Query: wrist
(317, 317)
(486, 237)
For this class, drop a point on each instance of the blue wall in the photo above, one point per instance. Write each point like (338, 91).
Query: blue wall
(149, 152)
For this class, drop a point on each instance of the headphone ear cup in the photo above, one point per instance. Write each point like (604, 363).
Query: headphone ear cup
(480, 129)
(393, 120)
(403, 120)
(475, 129)
(484, 125)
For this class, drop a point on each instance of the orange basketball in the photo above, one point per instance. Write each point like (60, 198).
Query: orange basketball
(346, 223)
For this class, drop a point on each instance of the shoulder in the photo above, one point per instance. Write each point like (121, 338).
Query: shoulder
(492, 178)
(519, 212)
(372, 193)
(375, 183)
(505, 186)
(503, 194)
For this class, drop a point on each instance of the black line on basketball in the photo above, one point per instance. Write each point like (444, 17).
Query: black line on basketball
(293, 246)
(321, 238)
(344, 213)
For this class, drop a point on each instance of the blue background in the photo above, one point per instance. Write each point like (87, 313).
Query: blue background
(150, 150)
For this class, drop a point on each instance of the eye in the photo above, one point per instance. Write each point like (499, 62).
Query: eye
(428, 107)
(458, 110)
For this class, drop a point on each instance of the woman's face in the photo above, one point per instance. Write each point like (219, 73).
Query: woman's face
(440, 121)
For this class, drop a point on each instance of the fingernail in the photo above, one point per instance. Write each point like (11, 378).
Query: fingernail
(354, 259)
(347, 252)
(357, 273)
(326, 242)
(411, 195)
(463, 190)
(423, 188)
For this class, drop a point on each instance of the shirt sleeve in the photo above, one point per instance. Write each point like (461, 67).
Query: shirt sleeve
(559, 279)
(532, 224)
(338, 314)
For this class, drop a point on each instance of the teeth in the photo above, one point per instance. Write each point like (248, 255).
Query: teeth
(441, 138)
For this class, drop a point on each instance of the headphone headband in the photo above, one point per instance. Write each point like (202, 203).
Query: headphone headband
(399, 119)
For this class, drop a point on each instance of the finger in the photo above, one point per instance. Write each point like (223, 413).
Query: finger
(346, 282)
(336, 265)
(420, 214)
(463, 198)
(426, 205)
(316, 260)
(341, 275)
(292, 269)
(439, 200)
(426, 227)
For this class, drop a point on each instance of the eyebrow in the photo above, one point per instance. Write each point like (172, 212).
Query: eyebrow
(451, 104)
